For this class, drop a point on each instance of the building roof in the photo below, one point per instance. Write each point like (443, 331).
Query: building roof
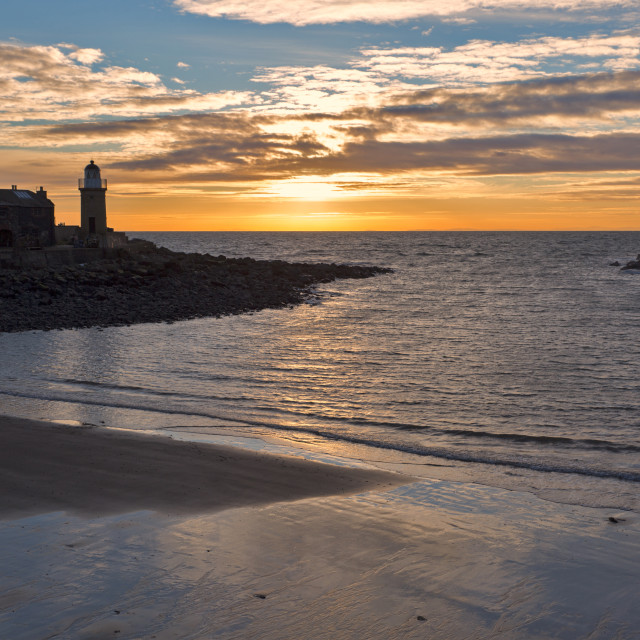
(23, 198)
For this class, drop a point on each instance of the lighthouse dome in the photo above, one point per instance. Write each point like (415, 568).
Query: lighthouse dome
(92, 178)
(92, 170)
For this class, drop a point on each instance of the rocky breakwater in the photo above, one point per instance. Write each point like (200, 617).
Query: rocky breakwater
(151, 284)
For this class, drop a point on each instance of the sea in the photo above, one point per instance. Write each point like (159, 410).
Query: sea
(507, 359)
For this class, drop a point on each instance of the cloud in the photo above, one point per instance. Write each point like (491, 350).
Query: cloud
(231, 147)
(183, 65)
(62, 83)
(495, 155)
(599, 190)
(483, 61)
(68, 83)
(396, 119)
(461, 21)
(565, 101)
(241, 148)
(324, 88)
(333, 11)
(87, 56)
(376, 73)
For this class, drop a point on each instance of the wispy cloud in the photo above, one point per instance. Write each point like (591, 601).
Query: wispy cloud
(65, 82)
(62, 83)
(567, 101)
(333, 11)
(483, 61)
(496, 155)
(375, 73)
(85, 56)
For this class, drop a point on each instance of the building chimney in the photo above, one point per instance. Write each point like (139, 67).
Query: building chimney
(42, 192)
(14, 187)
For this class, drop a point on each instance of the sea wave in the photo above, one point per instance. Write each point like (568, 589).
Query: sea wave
(469, 456)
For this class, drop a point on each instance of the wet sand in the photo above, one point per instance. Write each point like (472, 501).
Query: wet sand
(96, 471)
(430, 559)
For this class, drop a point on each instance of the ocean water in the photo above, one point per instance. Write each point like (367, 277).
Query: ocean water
(508, 359)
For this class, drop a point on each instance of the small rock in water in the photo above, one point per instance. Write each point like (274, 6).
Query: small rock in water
(614, 264)
(259, 595)
(421, 618)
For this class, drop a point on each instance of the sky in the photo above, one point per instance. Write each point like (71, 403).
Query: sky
(328, 114)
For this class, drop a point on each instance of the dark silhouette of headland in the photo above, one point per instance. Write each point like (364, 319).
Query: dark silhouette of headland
(68, 276)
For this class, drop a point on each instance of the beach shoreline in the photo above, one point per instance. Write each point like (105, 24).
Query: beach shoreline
(96, 471)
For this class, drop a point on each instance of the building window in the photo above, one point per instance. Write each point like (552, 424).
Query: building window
(6, 238)
(92, 225)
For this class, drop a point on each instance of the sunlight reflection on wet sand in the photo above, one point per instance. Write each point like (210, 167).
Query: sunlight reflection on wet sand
(474, 562)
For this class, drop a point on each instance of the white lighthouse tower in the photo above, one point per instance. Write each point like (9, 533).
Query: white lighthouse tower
(93, 207)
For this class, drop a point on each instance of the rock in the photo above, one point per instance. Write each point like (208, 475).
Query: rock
(151, 284)
(616, 519)
(614, 264)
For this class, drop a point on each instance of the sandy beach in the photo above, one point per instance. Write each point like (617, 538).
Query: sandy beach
(97, 471)
(109, 534)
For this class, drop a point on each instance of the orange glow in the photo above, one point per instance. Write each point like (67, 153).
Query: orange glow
(384, 214)
(310, 203)
(303, 189)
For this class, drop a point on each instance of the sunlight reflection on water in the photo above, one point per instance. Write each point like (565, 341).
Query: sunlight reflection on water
(510, 357)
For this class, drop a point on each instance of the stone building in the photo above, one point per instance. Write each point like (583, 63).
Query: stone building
(26, 218)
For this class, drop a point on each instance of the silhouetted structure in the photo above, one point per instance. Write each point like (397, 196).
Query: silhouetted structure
(26, 218)
(93, 231)
(93, 207)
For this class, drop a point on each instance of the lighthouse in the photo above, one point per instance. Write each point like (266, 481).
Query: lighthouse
(93, 208)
